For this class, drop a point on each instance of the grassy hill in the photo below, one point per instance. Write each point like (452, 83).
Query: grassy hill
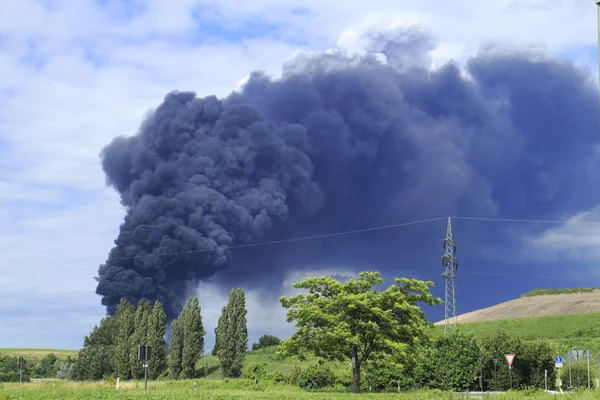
(567, 318)
(266, 356)
(37, 353)
(546, 292)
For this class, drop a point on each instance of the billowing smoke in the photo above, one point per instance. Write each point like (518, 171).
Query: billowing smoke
(343, 142)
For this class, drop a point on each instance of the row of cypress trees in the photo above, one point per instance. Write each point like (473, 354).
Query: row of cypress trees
(147, 325)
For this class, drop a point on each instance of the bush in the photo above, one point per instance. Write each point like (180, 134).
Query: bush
(317, 377)
(255, 370)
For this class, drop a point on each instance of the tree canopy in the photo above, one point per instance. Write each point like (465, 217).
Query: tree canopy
(352, 320)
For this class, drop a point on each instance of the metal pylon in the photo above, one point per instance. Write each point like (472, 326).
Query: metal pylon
(450, 268)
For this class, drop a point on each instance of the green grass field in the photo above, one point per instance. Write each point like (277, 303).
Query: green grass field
(37, 353)
(221, 390)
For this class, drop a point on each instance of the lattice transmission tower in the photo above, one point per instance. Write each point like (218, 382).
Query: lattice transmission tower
(450, 268)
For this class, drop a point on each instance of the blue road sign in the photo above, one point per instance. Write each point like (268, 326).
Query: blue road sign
(558, 359)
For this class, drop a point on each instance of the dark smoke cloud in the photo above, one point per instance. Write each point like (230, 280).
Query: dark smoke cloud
(339, 143)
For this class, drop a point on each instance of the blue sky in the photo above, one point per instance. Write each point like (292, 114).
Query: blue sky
(76, 73)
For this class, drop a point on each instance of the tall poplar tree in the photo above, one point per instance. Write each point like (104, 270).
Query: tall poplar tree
(193, 338)
(157, 328)
(126, 325)
(216, 346)
(233, 334)
(139, 337)
(175, 349)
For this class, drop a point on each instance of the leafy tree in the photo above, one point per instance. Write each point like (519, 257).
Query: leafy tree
(95, 360)
(9, 369)
(126, 327)
(232, 332)
(139, 337)
(538, 356)
(175, 349)
(266, 341)
(66, 369)
(451, 363)
(495, 346)
(157, 328)
(351, 320)
(193, 338)
(46, 367)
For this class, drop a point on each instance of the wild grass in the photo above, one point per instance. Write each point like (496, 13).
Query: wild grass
(544, 292)
(234, 389)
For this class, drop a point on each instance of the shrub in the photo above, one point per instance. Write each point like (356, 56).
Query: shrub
(317, 377)
(255, 370)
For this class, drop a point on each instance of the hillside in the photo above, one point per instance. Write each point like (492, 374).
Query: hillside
(538, 304)
(37, 353)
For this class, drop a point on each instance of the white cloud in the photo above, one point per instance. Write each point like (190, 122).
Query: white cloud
(93, 72)
(265, 316)
(576, 240)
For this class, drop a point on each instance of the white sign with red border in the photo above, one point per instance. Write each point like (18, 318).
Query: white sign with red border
(509, 359)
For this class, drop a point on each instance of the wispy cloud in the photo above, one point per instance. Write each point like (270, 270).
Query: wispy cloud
(74, 74)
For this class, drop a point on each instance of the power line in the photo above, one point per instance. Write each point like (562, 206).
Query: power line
(298, 239)
(534, 221)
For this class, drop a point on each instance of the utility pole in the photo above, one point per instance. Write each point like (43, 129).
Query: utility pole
(450, 268)
(145, 354)
(21, 361)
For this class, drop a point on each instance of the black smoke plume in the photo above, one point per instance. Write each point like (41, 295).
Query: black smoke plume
(344, 142)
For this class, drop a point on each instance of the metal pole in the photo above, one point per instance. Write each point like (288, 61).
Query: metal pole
(588, 362)
(510, 373)
(546, 379)
(578, 380)
(145, 376)
(570, 380)
(496, 376)
(481, 374)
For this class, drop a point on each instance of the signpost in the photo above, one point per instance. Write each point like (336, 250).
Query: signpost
(21, 362)
(495, 360)
(558, 363)
(509, 359)
(145, 354)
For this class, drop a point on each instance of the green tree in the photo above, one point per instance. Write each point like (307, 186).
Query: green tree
(451, 363)
(266, 341)
(175, 349)
(157, 328)
(193, 338)
(126, 325)
(351, 320)
(95, 360)
(216, 346)
(139, 337)
(232, 333)
(495, 346)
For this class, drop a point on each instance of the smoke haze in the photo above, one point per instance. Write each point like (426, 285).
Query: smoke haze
(344, 142)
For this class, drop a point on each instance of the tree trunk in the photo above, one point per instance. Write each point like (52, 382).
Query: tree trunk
(355, 371)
